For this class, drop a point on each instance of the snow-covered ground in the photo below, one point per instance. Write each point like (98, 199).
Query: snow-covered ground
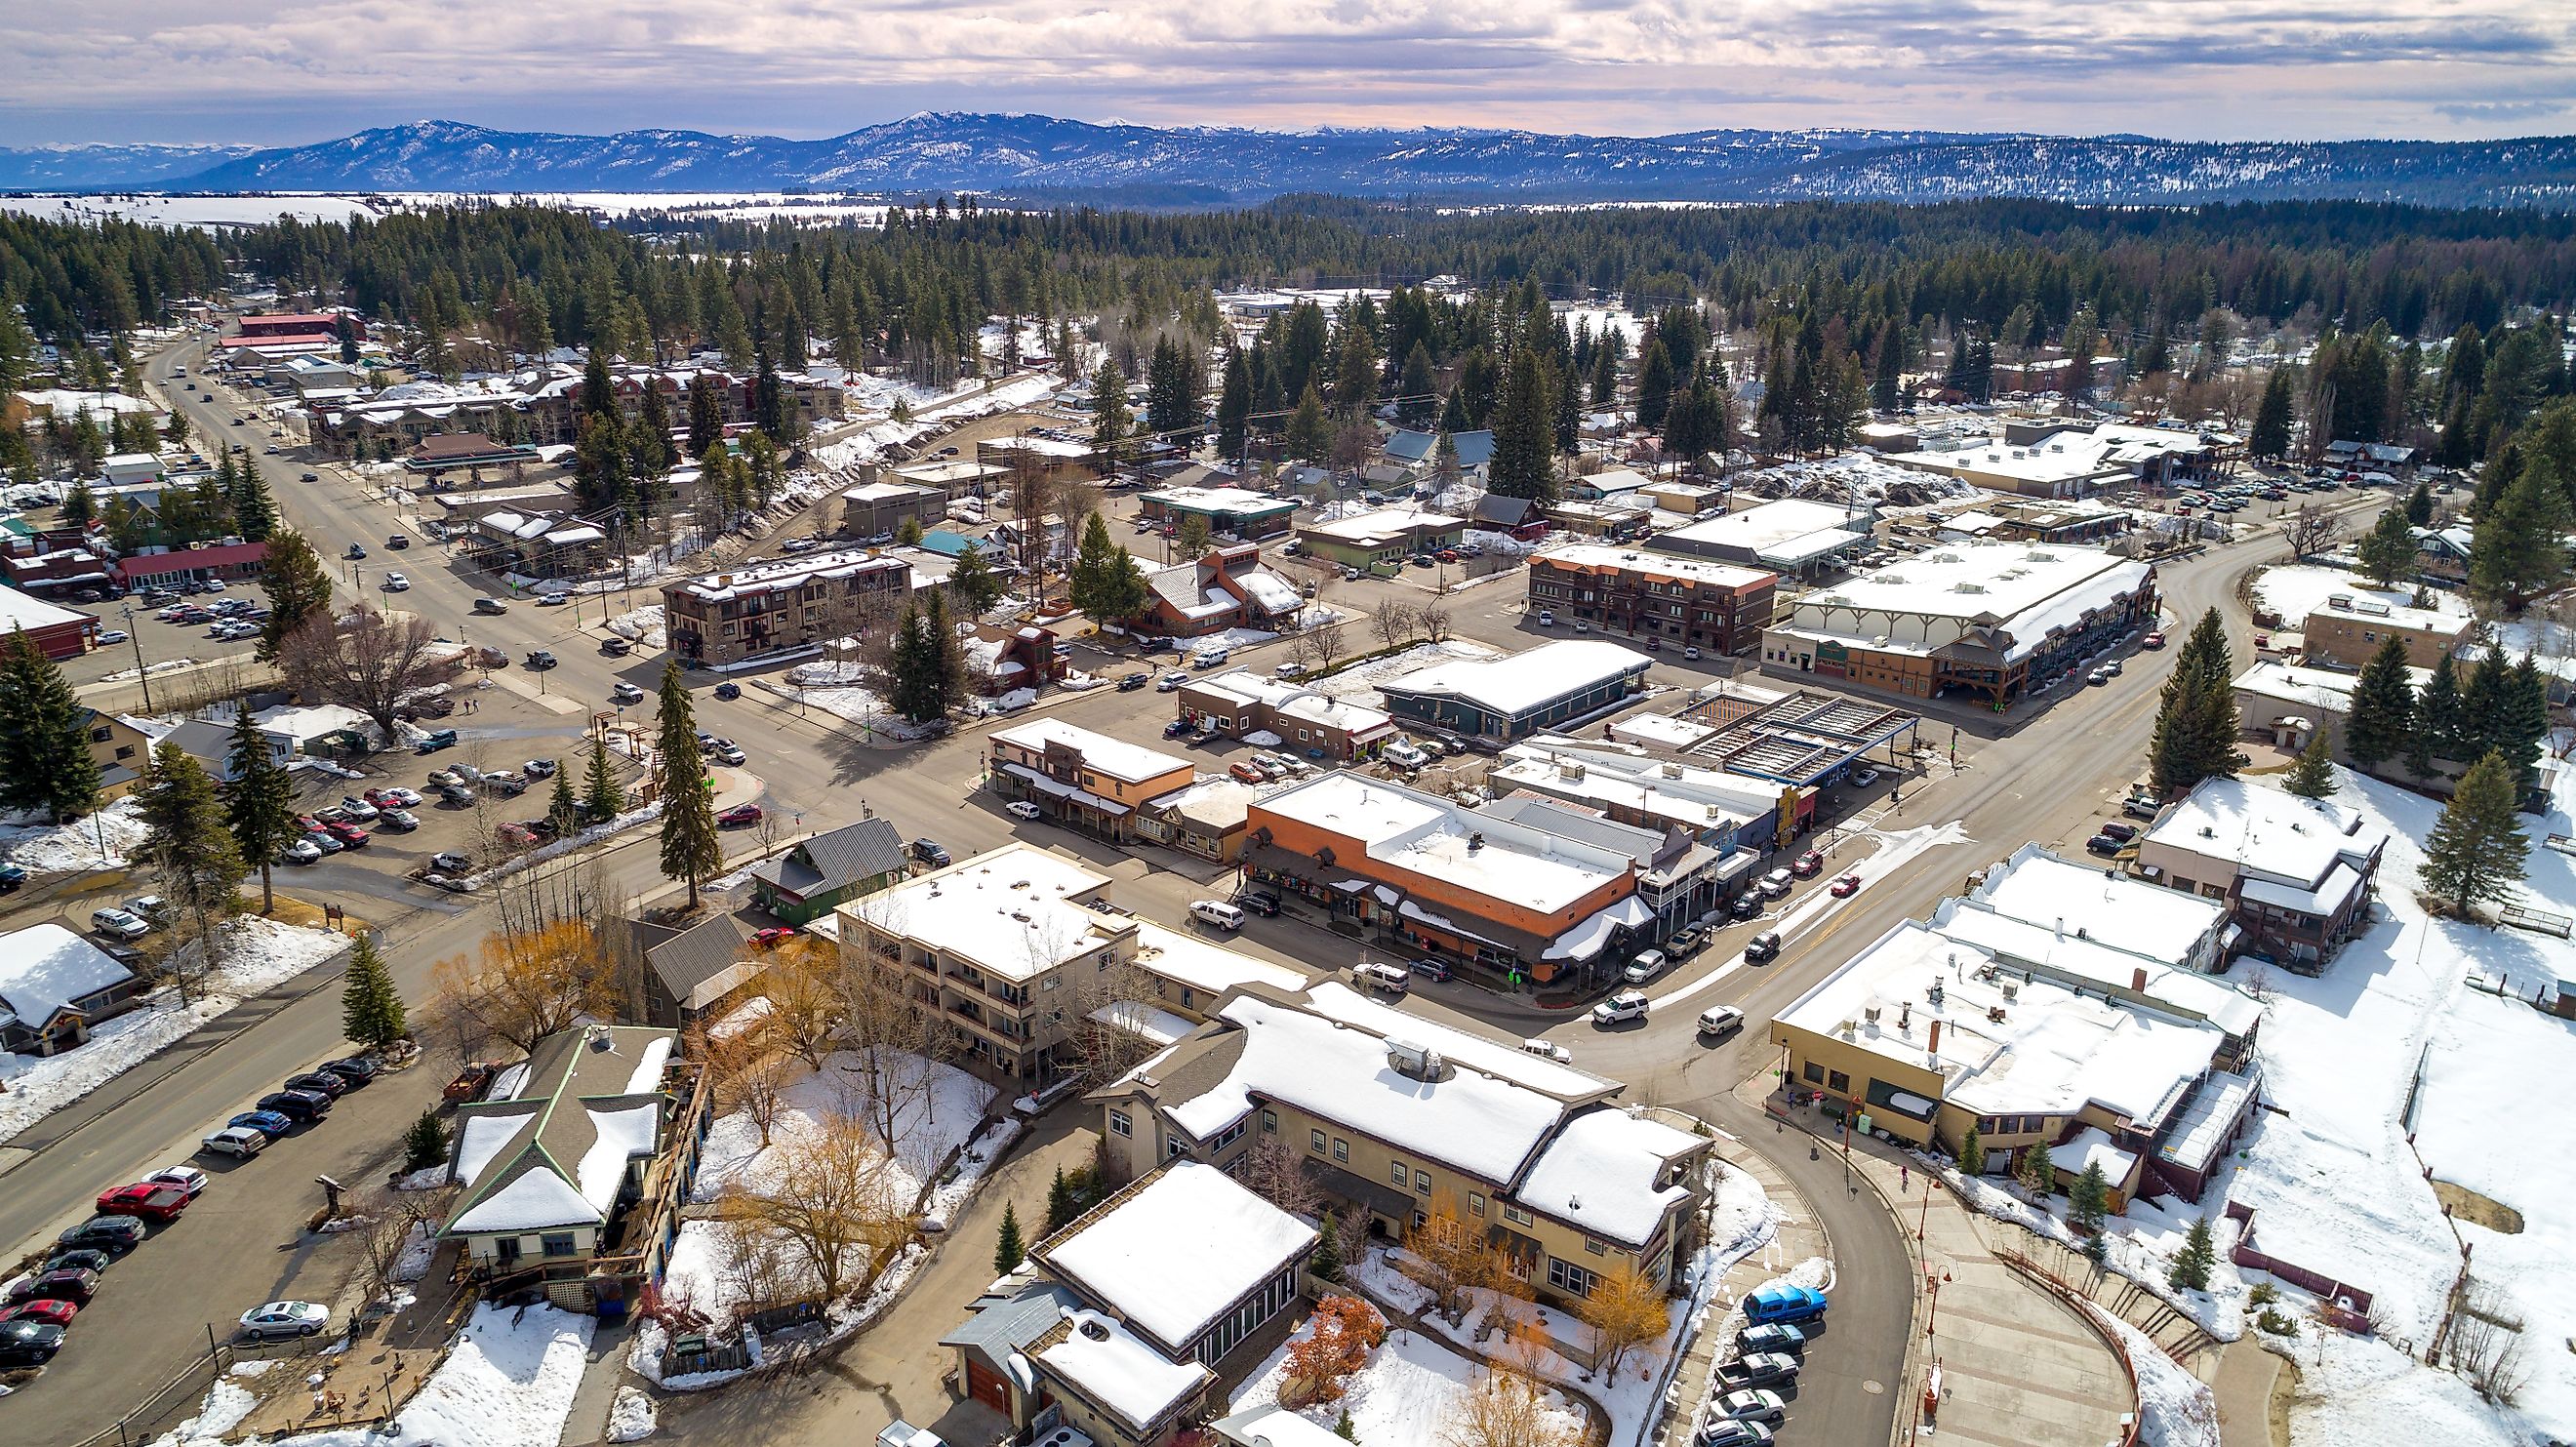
(192, 210)
(1839, 479)
(2292, 591)
(259, 953)
(643, 627)
(509, 1382)
(61, 848)
(1410, 1386)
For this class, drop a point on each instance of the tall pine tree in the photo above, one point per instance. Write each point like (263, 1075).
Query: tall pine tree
(2383, 716)
(1524, 459)
(259, 804)
(297, 589)
(691, 848)
(2313, 776)
(45, 763)
(2269, 438)
(2476, 851)
(188, 847)
(601, 795)
(371, 1008)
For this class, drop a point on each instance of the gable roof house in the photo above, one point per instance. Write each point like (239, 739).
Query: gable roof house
(695, 973)
(54, 985)
(548, 1172)
(822, 873)
(1228, 588)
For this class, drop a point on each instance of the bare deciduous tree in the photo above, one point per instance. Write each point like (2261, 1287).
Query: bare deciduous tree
(366, 660)
(1104, 1048)
(1395, 624)
(748, 1076)
(2310, 530)
(898, 1041)
(1507, 1408)
(830, 1198)
(1323, 646)
(1435, 620)
(522, 987)
(1276, 1171)
(1625, 1311)
(802, 985)
(2485, 1344)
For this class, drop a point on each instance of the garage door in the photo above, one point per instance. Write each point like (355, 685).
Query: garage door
(985, 1386)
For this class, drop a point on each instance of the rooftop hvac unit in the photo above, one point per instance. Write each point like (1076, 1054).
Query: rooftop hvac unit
(1408, 1059)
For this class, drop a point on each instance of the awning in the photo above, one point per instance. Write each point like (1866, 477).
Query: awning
(1066, 792)
(1587, 938)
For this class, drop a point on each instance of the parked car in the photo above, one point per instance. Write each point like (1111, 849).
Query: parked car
(349, 835)
(1845, 887)
(11, 876)
(302, 1107)
(2154, 639)
(114, 1235)
(1546, 1049)
(1260, 901)
(616, 647)
(1772, 1336)
(396, 797)
(534, 769)
(451, 860)
(1644, 967)
(1762, 1369)
(729, 752)
(118, 924)
(186, 1178)
(1864, 776)
(358, 1070)
(1784, 1304)
(1132, 682)
(553, 600)
(114, 635)
(1727, 1432)
(1686, 940)
(318, 1082)
(1547, 617)
(1246, 772)
(1807, 865)
(2104, 844)
(29, 1343)
(234, 1140)
(1746, 905)
(2120, 829)
(1022, 809)
(44, 1308)
(1624, 1006)
(728, 691)
(773, 936)
(401, 821)
(356, 808)
(1754, 1405)
(1720, 1020)
(269, 1123)
(930, 852)
(69, 1283)
(1775, 885)
(285, 1318)
(739, 816)
(83, 1257)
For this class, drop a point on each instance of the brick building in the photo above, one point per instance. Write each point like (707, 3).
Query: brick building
(1689, 602)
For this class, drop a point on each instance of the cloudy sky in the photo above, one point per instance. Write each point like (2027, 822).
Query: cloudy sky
(280, 71)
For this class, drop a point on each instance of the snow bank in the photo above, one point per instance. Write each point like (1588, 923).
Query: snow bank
(42, 848)
(644, 627)
(1410, 1386)
(630, 1416)
(258, 954)
(2175, 1408)
(940, 1109)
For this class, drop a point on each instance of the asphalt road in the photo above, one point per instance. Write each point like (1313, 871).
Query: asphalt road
(2043, 779)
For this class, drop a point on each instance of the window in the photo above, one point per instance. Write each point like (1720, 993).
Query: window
(1475, 1204)
(1836, 1080)
(1569, 1278)
(1515, 1214)
(1315, 1141)
(1420, 1220)
(1341, 1149)
(1120, 1124)
(1172, 1148)
(1422, 1183)
(1270, 1122)
(557, 1243)
(1050, 982)
(101, 734)
(1397, 1173)
(1814, 1073)
(1596, 1246)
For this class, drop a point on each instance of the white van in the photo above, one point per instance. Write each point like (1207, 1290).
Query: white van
(1393, 979)
(1216, 912)
(1404, 755)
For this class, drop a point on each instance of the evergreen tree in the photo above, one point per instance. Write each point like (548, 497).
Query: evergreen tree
(2269, 438)
(706, 416)
(425, 1144)
(691, 848)
(1524, 462)
(2198, 1257)
(187, 844)
(2387, 552)
(45, 764)
(649, 445)
(1345, 1428)
(80, 505)
(563, 807)
(1972, 1153)
(2313, 777)
(1060, 1209)
(2033, 1168)
(2197, 720)
(1417, 388)
(1193, 538)
(601, 795)
(371, 1008)
(1009, 1250)
(2445, 731)
(2383, 716)
(2088, 1201)
(297, 589)
(914, 689)
(1234, 406)
(1309, 433)
(973, 582)
(2523, 728)
(1106, 583)
(259, 804)
(1887, 378)
(2486, 706)
(1110, 418)
(2419, 506)
(1654, 381)
(1326, 1263)
(2517, 549)
(2477, 850)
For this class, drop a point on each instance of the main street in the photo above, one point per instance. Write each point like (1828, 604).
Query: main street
(2041, 778)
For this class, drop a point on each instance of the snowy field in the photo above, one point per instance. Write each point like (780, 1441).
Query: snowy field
(509, 1382)
(1409, 1388)
(261, 953)
(208, 211)
(63, 848)
(2292, 592)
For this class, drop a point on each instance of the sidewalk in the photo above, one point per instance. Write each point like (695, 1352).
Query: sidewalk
(2018, 1367)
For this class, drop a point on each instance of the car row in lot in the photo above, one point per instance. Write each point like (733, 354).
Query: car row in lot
(1752, 1403)
(37, 1313)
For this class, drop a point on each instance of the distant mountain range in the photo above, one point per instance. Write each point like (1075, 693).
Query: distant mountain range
(1041, 155)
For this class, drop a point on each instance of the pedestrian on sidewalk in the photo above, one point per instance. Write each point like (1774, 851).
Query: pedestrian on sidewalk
(1904, 1179)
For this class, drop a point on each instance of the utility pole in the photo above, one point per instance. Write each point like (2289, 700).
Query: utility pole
(142, 671)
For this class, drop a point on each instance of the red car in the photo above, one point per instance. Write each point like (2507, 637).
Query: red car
(1846, 887)
(771, 936)
(60, 1313)
(349, 834)
(739, 815)
(1806, 865)
(2152, 640)
(151, 1200)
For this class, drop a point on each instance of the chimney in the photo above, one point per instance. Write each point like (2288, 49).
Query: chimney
(1933, 1046)
(2138, 979)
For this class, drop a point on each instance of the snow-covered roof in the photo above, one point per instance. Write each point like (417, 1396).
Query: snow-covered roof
(1274, 1426)
(2376, 612)
(1606, 1173)
(1522, 682)
(19, 610)
(1208, 968)
(2099, 961)
(2092, 1146)
(2267, 832)
(1296, 700)
(1174, 1253)
(556, 1156)
(1117, 758)
(2039, 888)
(2322, 689)
(2328, 895)
(44, 968)
(1653, 566)
(2030, 591)
(1012, 911)
(2044, 1050)
(1152, 1023)
(1435, 838)
(1331, 1061)
(1786, 532)
(787, 573)
(1117, 1369)
(1383, 526)
(1218, 499)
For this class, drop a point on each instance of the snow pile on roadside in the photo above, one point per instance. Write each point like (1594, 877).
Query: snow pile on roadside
(643, 627)
(1741, 1216)
(57, 848)
(2175, 1408)
(228, 1404)
(556, 849)
(1408, 1389)
(259, 953)
(961, 1183)
(630, 1416)
(849, 703)
(824, 674)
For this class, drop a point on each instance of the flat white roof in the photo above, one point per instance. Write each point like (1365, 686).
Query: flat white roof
(785, 573)
(2090, 958)
(1119, 1370)
(1220, 499)
(1383, 524)
(1011, 911)
(2322, 689)
(2039, 888)
(18, 610)
(1209, 968)
(1119, 759)
(2033, 589)
(1517, 683)
(2046, 1050)
(2265, 831)
(1186, 1246)
(1435, 838)
(1667, 566)
(1296, 700)
(1763, 527)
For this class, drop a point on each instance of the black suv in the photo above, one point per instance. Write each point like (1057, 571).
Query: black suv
(114, 1235)
(1260, 901)
(929, 852)
(29, 1343)
(357, 1070)
(301, 1106)
(318, 1082)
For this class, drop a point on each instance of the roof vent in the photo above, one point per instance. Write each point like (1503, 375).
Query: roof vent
(1475, 842)
(1870, 1013)
(1093, 1329)
(598, 1038)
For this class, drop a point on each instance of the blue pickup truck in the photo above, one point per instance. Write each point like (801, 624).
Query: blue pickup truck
(1784, 1304)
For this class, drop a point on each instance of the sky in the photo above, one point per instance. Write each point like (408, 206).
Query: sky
(273, 72)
